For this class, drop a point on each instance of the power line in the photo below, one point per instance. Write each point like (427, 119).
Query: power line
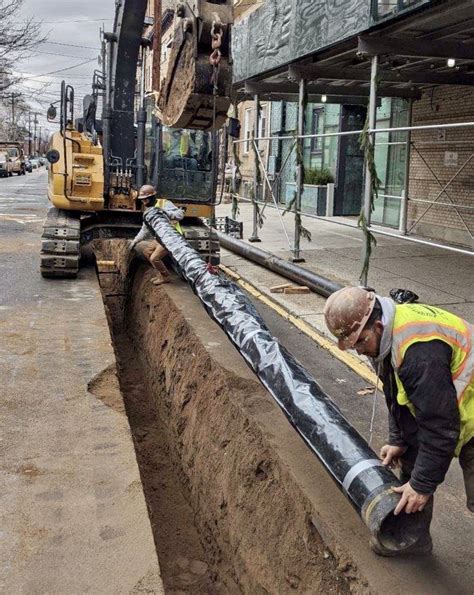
(54, 76)
(62, 69)
(33, 52)
(72, 45)
(78, 21)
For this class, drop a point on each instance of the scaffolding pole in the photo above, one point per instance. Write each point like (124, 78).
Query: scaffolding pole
(367, 205)
(254, 237)
(299, 172)
(358, 132)
(404, 205)
(270, 189)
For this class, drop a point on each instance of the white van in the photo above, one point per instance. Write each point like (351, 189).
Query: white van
(17, 160)
(6, 168)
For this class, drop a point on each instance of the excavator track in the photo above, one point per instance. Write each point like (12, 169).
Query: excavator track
(60, 244)
(204, 240)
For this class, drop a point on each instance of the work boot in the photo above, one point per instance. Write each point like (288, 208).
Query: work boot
(466, 460)
(422, 547)
(160, 280)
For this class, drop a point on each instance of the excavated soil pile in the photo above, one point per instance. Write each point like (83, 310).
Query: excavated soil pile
(227, 513)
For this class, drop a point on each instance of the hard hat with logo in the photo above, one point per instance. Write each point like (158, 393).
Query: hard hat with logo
(347, 312)
(146, 191)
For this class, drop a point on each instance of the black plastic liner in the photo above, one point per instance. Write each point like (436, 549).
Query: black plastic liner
(344, 453)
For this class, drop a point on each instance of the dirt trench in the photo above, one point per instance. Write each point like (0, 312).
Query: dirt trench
(226, 512)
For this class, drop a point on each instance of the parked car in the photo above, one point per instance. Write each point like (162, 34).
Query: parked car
(34, 163)
(15, 154)
(28, 166)
(5, 165)
(42, 160)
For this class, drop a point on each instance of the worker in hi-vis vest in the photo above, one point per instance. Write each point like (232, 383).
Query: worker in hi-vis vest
(425, 359)
(145, 242)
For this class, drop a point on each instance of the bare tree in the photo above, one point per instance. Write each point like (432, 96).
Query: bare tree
(17, 38)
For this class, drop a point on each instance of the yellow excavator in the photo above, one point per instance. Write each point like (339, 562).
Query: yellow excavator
(97, 166)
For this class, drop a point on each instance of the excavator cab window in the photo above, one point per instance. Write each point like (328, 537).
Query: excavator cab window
(186, 164)
(187, 149)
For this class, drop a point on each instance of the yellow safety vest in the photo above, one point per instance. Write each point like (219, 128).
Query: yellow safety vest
(183, 144)
(416, 323)
(161, 203)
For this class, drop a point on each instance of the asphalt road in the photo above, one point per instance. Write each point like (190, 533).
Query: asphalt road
(69, 480)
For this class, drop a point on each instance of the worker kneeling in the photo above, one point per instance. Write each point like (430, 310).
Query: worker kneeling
(145, 242)
(425, 359)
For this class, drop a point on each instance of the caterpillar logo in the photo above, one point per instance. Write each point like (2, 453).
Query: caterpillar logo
(83, 180)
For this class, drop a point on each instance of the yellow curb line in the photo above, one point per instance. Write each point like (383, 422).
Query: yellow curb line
(354, 364)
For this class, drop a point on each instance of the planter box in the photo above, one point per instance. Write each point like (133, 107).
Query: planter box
(313, 198)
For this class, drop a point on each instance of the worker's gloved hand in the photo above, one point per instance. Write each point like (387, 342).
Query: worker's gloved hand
(390, 455)
(411, 501)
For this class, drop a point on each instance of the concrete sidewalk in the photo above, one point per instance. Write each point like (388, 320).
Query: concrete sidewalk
(439, 277)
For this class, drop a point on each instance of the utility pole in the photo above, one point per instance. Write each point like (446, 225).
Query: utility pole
(13, 128)
(39, 141)
(34, 135)
(29, 133)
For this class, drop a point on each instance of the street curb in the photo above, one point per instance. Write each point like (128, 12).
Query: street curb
(355, 364)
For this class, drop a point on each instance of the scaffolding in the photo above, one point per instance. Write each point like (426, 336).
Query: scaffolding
(442, 198)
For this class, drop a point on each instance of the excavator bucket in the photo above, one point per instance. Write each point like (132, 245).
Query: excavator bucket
(195, 92)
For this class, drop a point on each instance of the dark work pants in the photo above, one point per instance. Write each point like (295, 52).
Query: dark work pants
(407, 463)
(466, 460)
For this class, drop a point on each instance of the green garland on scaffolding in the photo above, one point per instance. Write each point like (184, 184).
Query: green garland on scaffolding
(304, 233)
(258, 174)
(234, 196)
(369, 153)
(292, 202)
(299, 144)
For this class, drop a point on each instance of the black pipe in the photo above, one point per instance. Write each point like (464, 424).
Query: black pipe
(344, 453)
(316, 283)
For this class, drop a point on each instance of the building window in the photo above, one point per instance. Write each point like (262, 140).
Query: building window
(262, 122)
(247, 129)
(316, 144)
(384, 8)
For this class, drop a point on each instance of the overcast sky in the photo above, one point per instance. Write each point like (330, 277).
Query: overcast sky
(73, 22)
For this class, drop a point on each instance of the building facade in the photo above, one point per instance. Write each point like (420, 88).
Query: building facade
(425, 76)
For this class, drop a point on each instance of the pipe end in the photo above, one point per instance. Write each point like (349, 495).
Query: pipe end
(395, 535)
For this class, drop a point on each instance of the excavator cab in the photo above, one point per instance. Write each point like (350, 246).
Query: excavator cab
(186, 168)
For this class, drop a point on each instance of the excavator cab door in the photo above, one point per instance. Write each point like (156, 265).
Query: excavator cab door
(186, 168)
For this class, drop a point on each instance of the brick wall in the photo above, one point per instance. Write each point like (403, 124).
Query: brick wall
(444, 151)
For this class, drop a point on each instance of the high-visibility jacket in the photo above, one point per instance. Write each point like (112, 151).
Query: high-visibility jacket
(419, 323)
(172, 211)
(171, 145)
